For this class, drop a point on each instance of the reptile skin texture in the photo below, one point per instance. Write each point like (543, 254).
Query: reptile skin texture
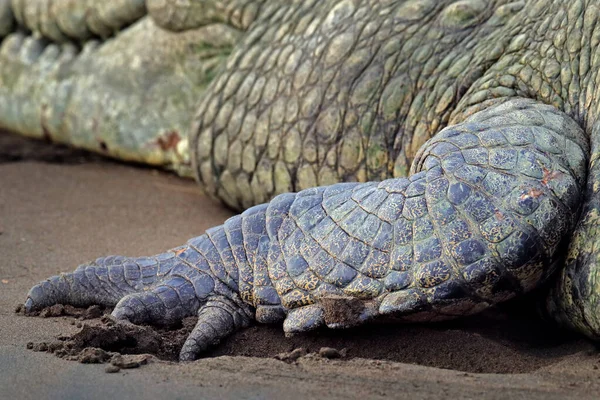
(417, 160)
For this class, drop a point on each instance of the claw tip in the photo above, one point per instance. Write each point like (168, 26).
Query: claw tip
(28, 306)
(186, 357)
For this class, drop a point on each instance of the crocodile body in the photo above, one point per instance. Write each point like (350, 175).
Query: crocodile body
(414, 159)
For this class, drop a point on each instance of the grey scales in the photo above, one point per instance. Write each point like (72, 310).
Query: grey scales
(417, 160)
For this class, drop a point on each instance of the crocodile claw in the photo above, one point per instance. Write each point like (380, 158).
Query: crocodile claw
(159, 290)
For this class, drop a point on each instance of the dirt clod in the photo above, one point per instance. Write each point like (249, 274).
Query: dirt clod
(54, 346)
(111, 369)
(331, 353)
(91, 355)
(342, 310)
(292, 356)
(93, 312)
(40, 347)
(124, 344)
(129, 361)
(54, 311)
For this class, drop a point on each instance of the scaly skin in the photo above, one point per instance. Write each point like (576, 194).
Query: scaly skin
(47, 90)
(493, 104)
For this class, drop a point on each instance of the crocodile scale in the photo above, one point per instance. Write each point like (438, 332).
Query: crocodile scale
(410, 159)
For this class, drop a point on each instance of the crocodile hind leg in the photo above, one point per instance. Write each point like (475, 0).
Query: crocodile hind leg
(574, 298)
(477, 222)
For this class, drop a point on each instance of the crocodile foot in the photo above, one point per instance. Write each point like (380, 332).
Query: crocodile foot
(159, 290)
(480, 220)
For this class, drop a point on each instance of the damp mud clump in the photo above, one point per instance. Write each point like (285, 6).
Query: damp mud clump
(103, 339)
(512, 342)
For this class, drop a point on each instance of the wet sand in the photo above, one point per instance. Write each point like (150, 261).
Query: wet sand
(60, 208)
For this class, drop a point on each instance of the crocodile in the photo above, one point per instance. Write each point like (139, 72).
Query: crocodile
(413, 160)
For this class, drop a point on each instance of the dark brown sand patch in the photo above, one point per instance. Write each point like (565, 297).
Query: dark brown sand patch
(494, 342)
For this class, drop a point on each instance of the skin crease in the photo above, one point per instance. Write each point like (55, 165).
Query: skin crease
(493, 103)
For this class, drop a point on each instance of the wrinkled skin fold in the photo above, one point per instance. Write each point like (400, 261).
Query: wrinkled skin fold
(417, 159)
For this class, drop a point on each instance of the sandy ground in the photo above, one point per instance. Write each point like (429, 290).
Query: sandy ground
(60, 208)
